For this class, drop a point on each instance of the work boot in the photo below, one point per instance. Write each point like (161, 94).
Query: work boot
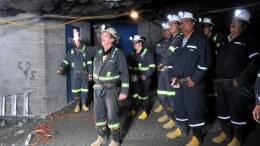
(176, 133)
(169, 125)
(234, 142)
(220, 138)
(225, 134)
(239, 131)
(180, 131)
(159, 109)
(100, 140)
(194, 142)
(131, 113)
(199, 134)
(163, 119)
(77, 109)
(143, 116)
(113, 143)
(85, 108)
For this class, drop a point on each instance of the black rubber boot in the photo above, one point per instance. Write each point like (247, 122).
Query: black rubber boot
(199, 133)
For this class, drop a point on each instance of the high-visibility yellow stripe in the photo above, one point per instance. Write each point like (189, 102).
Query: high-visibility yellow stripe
(114, 126)
(172, 48)
(161, 92)
(152, 65)
(102, 78)
(89, 62)
(75, 90)
(83, 90)
(126, 85)
(172, 93)
(101, 123)
(66, 62)
(142, 97)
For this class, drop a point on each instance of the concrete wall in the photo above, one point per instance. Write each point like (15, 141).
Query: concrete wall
(29, 59)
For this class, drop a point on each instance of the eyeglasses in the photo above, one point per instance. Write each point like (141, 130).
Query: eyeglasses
(236, 21)
(135, 43)
(185, 22)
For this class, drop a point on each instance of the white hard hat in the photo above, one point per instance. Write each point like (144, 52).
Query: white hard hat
(207, 20)
(137, 38)
(183, 15)
(242, 14)
(112, 31)
(165, 25)
(173, 18)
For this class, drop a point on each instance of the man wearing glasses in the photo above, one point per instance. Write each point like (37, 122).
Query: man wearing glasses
(189, 65)
(237, 66)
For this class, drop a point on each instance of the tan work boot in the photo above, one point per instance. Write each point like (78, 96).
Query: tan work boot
(159, 109)
(85, 108)
(143, 116)
(113, 143)
(220, 138)
(169, 125)
(174, 134)
(194, 142)
(99, 141)
(234, 142)
(163, 119)
(77, 109)
(131, 113)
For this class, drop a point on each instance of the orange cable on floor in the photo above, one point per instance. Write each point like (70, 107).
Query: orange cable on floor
(44, 133)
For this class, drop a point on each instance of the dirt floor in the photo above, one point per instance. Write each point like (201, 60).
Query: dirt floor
(65, 128)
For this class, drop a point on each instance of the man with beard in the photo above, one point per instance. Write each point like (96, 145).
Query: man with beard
(236, 66)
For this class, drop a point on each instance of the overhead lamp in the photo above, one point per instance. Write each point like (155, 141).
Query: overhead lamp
(134, 14)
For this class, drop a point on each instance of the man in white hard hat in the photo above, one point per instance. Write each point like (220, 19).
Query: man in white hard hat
(141, 65)
(165, 91)
(189, 65)
(215, 39)
(162, 43)
(111, 84)
(81, 68)
(237, 64)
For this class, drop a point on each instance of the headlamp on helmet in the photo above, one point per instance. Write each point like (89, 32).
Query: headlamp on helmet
(137, 38)
(242, 14)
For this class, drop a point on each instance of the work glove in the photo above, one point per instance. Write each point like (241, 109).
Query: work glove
(60, 71)
(90, 77)
(76, 36)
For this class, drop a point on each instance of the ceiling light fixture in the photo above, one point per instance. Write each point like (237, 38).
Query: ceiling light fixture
(134, 14)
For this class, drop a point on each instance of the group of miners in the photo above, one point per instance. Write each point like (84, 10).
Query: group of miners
(187, 60)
